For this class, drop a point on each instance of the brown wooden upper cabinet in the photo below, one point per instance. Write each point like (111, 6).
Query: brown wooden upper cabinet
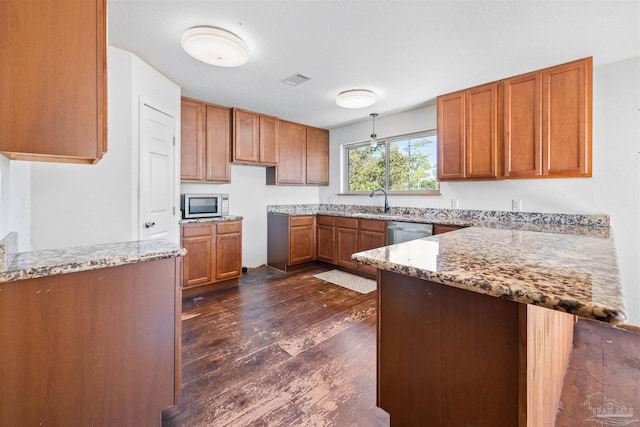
(292, 155)
(468, 134)
(204, 142)
(65, 77)
(543, 126)
(317, 156)
(303, 156)
(255, 138)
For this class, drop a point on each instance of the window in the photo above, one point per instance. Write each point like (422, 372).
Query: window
(405, 164)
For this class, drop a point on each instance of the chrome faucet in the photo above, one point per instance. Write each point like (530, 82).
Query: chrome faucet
(387, 209)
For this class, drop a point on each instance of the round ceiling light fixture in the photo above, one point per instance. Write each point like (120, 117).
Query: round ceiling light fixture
(356, 98)
(215, 46)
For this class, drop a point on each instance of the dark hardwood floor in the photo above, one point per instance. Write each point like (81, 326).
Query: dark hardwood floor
(287, 349)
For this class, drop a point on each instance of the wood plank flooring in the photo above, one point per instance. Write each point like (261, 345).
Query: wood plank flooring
(281, 350)
(287, 349)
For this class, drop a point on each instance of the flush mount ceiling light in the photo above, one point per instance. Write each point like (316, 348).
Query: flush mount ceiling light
(356, 98)
(215, 46)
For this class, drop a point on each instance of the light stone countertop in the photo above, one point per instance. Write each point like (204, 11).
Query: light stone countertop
(571, 273)
(43, 263)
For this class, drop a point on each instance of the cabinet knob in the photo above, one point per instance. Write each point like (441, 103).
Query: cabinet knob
(149, 224)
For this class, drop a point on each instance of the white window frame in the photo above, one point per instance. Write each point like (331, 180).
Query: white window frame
(386, 141)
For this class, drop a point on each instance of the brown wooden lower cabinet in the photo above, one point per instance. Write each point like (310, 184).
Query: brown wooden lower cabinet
(346, 241)
(326, 239)
(291, 240)
(371, 234)
(214, 252)
(448, 356)
(92, 348)
(440, 228)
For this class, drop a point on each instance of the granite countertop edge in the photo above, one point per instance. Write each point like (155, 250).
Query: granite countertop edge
(45, 263)
(211, 219)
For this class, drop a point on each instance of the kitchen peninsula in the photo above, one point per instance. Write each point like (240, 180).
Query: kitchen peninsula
(475, 326)
(90, 335)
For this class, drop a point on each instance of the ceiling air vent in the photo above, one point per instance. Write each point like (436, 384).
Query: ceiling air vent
(296, 79)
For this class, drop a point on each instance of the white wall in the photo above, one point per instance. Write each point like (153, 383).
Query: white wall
(15, 201)
(76, 205)
(249, 197)
(612, 190)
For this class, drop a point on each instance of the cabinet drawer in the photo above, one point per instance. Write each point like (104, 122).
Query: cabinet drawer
(373, 225)
(192, 230)
(229, 227)
(326, 220)
(297, 221)
(347, 223)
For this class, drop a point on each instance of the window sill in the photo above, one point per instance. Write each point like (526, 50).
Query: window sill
(394, 193)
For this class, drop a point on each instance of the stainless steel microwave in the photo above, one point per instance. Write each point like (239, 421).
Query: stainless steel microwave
(204, 205)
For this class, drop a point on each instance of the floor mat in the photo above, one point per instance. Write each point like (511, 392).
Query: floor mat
(349, 281)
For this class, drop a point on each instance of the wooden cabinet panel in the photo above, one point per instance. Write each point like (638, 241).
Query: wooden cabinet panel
(522, 110)
(468, 134)
(218, 139)
(292, 154)
(347, 245)
(302, 239)
(441, 228)
(53, 80)
(269, 129)
(204, 142)
(372, 234)
(192, 139)
(228, 256)
(546, 126)
(326, 240)
(199, 263)
(451, 136)
(246, 136)
(80, 348)
(317, 156)
(566, 124)
(347, 223)
(482, 132)
(214, 252)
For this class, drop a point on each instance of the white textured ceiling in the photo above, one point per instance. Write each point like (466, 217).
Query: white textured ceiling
(408, 52)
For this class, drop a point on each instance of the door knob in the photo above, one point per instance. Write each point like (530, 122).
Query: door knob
(149, 224)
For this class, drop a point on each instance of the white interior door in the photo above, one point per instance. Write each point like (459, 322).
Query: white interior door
(157, 210)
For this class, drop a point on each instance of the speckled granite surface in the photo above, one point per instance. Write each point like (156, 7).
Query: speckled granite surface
(213, 219)
(31, 265)
(574, 274)
(8, 249)
(588, 225)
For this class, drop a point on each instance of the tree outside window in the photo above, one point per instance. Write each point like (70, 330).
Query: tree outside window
(402, 165)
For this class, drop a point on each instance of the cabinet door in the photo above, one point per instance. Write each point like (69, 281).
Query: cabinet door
(347, 244)
(522, 106)
(566, 119)
(192, 137)
(326, 243)
(218, 138)
(53, 80)
(302, 239)
(317, 156)
(292, 153)
(269, 140)
(228, 256)
(199, 263)
(451, 136)
(481, 137)
(370, 240)
(246, 136)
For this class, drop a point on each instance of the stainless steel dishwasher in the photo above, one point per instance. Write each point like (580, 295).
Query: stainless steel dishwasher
(398, 231)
